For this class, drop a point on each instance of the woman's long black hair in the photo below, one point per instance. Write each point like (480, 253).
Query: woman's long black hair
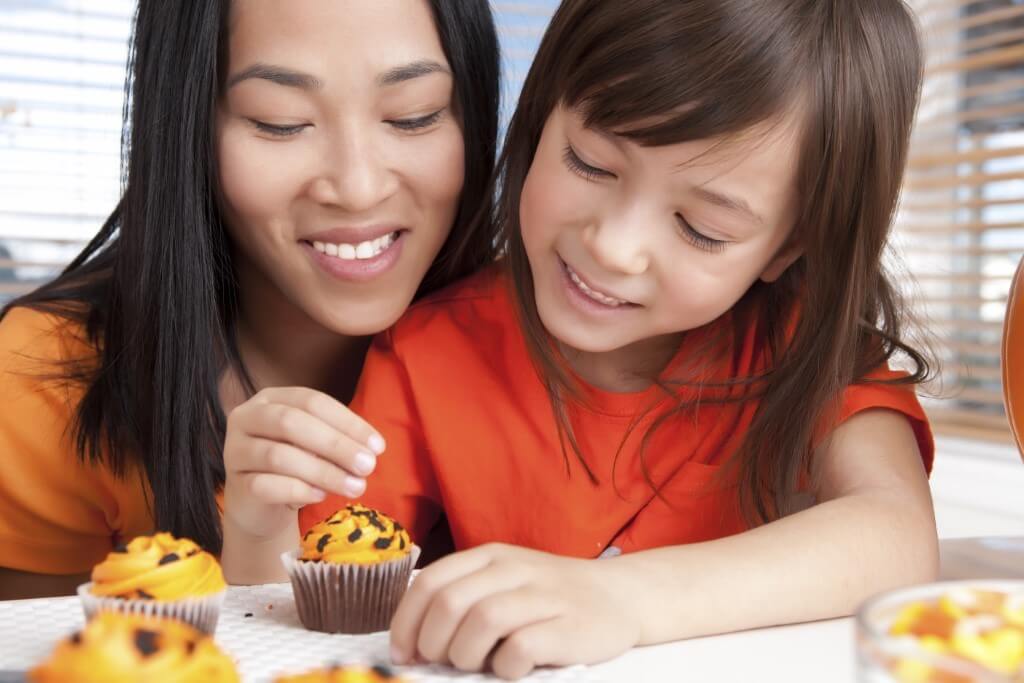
(155, 288)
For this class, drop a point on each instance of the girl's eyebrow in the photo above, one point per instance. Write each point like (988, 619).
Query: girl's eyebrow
(731, 203)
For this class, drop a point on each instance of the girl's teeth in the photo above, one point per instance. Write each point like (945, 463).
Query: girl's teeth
(364, 250)
(593, 294)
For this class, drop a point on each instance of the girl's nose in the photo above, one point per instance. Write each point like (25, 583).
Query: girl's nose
(618, 246)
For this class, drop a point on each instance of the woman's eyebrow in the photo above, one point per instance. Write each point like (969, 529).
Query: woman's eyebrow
(407, 72)
(279, 75)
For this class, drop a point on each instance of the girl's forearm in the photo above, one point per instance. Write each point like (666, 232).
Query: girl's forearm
(817, 564)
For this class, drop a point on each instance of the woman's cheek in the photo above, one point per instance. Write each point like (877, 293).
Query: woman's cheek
(256, 182)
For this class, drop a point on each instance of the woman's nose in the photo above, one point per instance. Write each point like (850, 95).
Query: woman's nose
(354, 175)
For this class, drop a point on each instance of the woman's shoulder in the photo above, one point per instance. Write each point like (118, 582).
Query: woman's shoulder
(32, 339)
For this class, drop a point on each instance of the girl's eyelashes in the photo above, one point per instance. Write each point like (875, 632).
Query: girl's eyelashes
(582, 168)
(279, 131)
(699, 239)
(418, 123)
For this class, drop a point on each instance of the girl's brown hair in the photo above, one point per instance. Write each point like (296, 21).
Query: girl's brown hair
(660, 72)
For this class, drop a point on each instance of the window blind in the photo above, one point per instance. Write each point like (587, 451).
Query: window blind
(960, 229)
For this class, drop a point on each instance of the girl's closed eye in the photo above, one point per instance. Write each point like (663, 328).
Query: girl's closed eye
(418, 123)
(699, 239)
(582, 168)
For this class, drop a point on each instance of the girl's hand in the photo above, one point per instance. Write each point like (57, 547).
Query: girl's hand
(511, 609)
(289, 447)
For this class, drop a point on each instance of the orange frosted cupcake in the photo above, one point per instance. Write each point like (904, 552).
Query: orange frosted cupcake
(130, 647)
(345, 674)
(351, 571)
(159, 576)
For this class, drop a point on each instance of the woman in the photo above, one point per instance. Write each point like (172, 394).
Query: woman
(296, 174)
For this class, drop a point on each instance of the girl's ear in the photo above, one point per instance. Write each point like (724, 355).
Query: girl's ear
(786, 257)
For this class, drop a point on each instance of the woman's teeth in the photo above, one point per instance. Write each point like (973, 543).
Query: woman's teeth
(593, 293)
(361, 251)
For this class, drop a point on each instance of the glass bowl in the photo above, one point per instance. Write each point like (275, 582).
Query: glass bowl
(883, 657)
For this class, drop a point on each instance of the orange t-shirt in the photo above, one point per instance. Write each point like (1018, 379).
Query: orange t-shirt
(57, 515)
(471, 435)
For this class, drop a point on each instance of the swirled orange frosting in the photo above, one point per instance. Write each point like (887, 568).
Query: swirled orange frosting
(357, 535)
(344, 674)
(158, 567)
(117, 647)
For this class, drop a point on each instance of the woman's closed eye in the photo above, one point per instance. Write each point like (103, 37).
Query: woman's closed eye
(699, 239)
(418, 123)
(582, 168)
(279, 130)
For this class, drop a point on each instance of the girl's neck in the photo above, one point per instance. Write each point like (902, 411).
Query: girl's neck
(627, 369)
(282, 346)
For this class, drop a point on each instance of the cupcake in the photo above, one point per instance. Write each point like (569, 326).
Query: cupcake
(117, 647)
(345, 674)
(351, 571)
(159, 576)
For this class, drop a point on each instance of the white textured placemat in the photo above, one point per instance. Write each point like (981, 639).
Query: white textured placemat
(270, 642)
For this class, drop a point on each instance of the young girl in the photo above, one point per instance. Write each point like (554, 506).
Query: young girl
(295, 174)
(688, 337)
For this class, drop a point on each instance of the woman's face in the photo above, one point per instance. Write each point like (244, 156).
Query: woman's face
(340, 154)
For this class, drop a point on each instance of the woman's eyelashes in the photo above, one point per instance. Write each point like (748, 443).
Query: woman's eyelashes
(416, 124)
(279, 131)
(410, 125)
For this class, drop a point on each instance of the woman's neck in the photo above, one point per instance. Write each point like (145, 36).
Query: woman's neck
(282, 346)
(626, 369)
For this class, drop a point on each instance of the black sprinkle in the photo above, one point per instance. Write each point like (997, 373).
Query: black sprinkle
(168, 558)
(355, 535)
(399, 527)
(120, 548)
(145, 641)
(333, 522)
(144, 595)
(377, 523)
(76, 638)
(190, 646)
(322, 543)
(382, 543)
(383, 671)
(307, 534)
(401, 542)
(192, 552)
(248, 614)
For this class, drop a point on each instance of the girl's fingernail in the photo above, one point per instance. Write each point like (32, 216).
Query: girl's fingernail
(319, 495)
(364, 463)
(397, 656)
(376, 444)
(354, 487)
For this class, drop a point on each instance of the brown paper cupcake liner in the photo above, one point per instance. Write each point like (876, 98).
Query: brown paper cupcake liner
(201, 612)
(348, 598)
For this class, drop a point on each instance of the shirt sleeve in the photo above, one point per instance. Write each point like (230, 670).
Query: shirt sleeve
(403, 485)
(55, 512)
(898, 397)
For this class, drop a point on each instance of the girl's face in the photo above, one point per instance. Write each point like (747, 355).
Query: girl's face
(340, 155)
(629, 243)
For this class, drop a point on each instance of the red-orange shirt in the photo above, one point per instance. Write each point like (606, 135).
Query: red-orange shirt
(471, 434)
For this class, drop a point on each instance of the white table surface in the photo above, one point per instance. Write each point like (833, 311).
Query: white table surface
(273, 641)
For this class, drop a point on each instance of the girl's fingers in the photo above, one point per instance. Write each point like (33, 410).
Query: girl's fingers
(274, 457)
(329, 410)
(277, 489)
(539, 644)
(494, 618)
(449, 606)
(407, 623)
